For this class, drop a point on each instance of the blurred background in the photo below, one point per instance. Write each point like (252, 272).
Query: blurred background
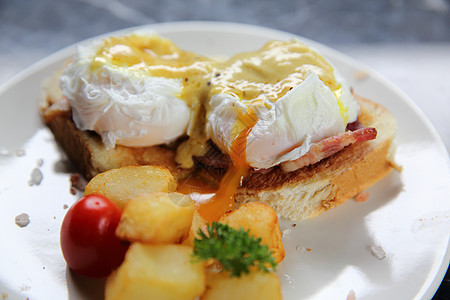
(408, 42)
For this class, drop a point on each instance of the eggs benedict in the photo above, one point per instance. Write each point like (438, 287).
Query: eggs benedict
(280, 120)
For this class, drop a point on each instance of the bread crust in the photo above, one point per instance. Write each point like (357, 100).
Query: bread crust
(297, 195)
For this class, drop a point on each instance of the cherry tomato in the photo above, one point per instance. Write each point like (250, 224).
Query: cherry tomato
(88, 241)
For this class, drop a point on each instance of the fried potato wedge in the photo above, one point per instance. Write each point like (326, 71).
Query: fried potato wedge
(165, 272)
(262, 221)
(256, 285)
(122, 184)
(157, 218)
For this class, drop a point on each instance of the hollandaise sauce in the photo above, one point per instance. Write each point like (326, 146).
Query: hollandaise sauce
(151, 55)
(270, 72)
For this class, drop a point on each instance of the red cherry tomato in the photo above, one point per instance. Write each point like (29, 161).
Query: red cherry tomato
(88, 241)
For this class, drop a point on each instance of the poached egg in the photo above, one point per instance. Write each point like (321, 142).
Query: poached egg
(133, 89)
(287, 94)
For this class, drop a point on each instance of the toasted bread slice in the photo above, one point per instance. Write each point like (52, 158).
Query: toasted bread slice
(297, 195)
(314, 189)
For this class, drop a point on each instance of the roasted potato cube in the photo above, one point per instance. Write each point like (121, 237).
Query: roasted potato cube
(156, 272)
(122, 184)
(197, 223)
(158, 218)
(262, 221)
(256, 285)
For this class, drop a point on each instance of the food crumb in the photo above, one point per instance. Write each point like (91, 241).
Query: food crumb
(20, 152)
(294, 225)
(4, 152)
(378, 252)
(300, 249)
(40, 162)
(22, 220)
(362, 197)
(290, 280)
(286, 232)
(65, 206)
(36, 177)
(77, 182)
(25, 288)
(360, 75)
(351, 295)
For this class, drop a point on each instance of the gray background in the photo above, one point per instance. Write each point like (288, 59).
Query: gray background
(407, 42)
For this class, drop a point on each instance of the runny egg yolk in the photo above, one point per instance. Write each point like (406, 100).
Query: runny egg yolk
(223, 199)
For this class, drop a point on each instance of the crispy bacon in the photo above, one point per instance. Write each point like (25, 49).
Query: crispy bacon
(330, 146)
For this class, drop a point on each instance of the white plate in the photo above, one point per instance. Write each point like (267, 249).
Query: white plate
(408, 214)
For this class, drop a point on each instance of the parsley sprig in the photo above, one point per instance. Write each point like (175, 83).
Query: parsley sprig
(236, 250)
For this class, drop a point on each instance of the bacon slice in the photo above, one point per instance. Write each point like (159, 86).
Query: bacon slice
(330, 146)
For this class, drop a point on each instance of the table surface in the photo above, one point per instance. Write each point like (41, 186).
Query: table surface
(408, 42)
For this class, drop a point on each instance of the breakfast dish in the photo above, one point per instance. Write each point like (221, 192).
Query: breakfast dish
(415, 258)
(277, 125)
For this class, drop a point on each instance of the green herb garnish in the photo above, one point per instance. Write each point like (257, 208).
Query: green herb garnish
(236, 250)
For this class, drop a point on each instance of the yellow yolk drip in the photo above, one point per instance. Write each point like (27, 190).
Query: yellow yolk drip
(223, 200)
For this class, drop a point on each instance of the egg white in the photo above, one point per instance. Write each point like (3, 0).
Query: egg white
(124, 106)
